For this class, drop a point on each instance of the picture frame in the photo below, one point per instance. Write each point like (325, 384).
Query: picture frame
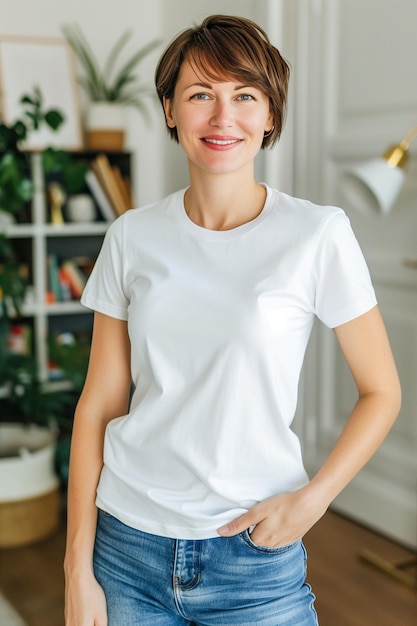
(48, 63)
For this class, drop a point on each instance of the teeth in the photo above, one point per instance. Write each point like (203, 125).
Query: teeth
(221, 142)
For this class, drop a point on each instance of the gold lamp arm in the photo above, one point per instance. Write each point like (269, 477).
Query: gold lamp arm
(396, 156)
(409, 138)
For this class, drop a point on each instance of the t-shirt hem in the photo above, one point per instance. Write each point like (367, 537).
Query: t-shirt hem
(351, 313)
(103, 307)
(162, 530)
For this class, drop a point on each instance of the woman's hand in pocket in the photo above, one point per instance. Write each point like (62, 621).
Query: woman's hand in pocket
(278, 520)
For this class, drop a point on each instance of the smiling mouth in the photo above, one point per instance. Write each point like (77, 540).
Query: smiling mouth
(221, 142)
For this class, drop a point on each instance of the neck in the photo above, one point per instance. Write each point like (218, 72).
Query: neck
(224, 202)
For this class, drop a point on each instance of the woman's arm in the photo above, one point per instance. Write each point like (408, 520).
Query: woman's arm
(104, 397)
(366, 348)
(284, 518)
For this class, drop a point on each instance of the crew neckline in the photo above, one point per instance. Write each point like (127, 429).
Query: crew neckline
(222, 235)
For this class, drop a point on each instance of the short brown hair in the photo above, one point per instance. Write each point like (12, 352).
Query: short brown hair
(230, 47)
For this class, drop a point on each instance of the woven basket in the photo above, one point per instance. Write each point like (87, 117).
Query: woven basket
(29, 486)
(26, 521)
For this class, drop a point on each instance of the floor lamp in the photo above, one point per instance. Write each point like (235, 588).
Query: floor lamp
(376, 184)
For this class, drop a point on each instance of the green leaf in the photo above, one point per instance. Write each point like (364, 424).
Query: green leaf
(27, 100)
(85, 55)
(121, 84)
(34, 118)
(25, 189)
(133, 62)
(74, 176)
(38, 96)
(114, 53)
(49, 159)
(20, 129)
(54, 118)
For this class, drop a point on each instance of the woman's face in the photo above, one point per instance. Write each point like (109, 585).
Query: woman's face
(220, 124)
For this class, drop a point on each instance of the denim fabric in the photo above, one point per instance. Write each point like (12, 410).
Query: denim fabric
(157, 581)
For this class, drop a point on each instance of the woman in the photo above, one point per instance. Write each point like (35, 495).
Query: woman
(187, 504)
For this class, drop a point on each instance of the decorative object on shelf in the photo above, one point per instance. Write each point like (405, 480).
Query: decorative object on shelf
(65, 181)
(376, 183)
(109, 90)
(57, 198)
(80, 208)
(48, 63)
(105, 126)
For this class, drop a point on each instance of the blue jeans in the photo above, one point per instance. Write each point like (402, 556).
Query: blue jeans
(156, 581)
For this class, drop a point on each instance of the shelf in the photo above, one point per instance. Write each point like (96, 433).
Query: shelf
(40, 245)
(79, 230)
(65, 308)
(18, 231)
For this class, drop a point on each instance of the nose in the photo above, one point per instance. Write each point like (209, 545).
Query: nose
(222, 114)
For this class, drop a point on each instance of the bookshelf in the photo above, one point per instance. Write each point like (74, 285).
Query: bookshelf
(37, 241)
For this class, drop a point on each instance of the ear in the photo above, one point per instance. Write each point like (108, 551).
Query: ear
(169, 116)
(269, 126)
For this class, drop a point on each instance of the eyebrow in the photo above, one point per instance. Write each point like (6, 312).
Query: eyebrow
(210, 86)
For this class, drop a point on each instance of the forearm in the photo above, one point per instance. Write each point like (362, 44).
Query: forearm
(285, 517)
(104, 397)
(365, 430)
(85, 466)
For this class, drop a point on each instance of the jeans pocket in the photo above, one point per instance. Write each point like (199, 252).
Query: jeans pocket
(266, 549)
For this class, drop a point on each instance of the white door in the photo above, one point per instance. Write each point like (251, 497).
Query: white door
(354, 73)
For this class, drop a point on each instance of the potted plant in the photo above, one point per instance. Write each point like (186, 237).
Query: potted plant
(16, 186)
(29, 490)
(108, 89)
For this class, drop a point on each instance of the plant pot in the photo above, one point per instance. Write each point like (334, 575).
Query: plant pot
(29, 486)
(105, 126)
(80, 208)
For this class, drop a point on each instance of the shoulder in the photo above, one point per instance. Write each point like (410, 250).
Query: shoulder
(304, 217)
(148, 217)
(151, 212)
(300, 208)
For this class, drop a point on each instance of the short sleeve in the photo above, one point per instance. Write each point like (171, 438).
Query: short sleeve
(105, 289)
(343, 286)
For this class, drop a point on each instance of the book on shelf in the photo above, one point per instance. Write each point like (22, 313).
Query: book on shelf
(124, 187)
(66, 280)
(75, 277)
(110, 183)
(54, 283)
(104, 205)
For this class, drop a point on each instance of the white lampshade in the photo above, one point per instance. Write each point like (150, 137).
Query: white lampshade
(374, 185)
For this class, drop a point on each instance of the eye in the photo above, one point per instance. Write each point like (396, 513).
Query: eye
(245, 97)
(199, 96)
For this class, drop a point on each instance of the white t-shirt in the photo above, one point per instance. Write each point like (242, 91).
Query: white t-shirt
(219, 323)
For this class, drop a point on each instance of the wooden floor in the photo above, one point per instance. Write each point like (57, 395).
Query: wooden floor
(349, 592)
